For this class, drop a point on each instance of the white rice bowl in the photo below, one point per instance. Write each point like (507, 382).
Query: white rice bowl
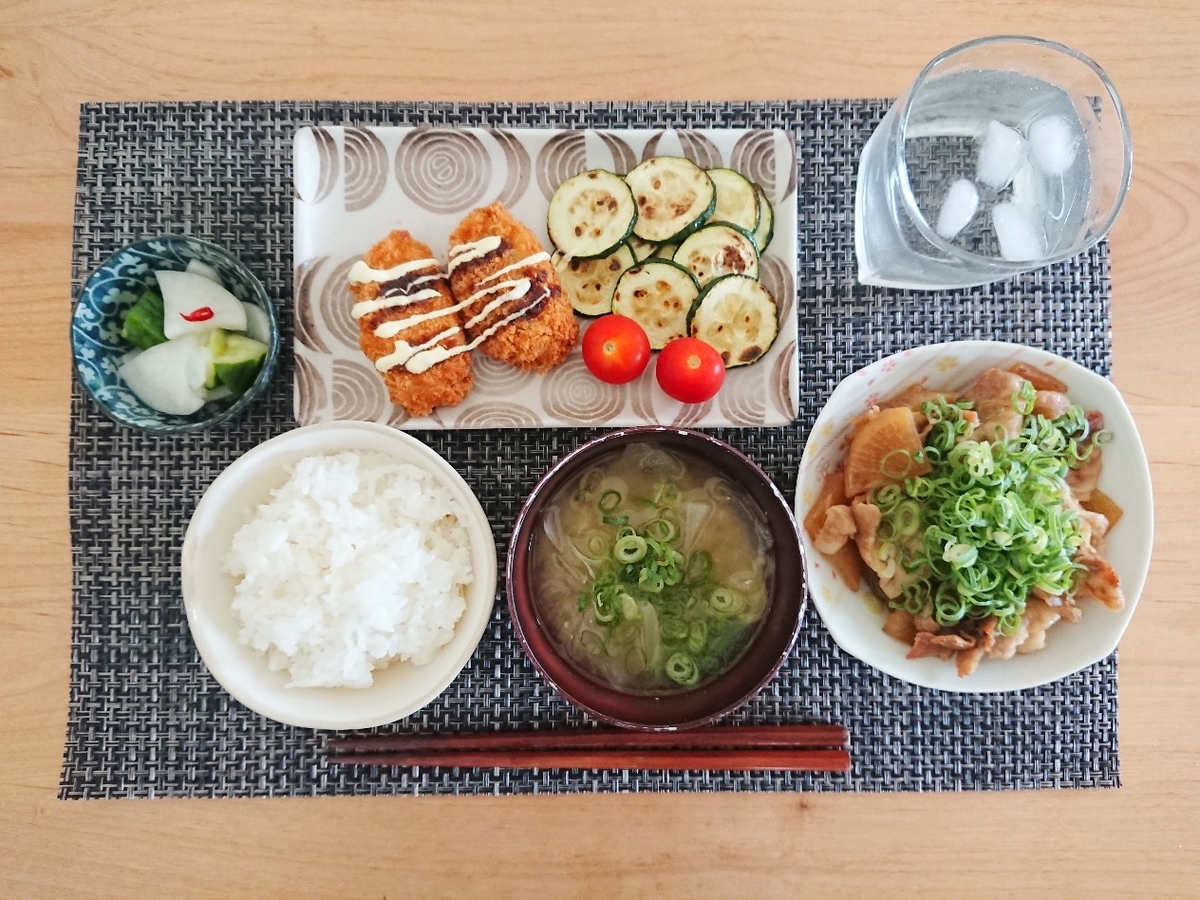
(355, 561)
(302, 591)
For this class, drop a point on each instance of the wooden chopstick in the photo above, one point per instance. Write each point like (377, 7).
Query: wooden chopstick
(801, 760)
(809, 747)
(807, 735)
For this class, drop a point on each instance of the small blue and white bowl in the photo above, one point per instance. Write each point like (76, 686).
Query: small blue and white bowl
(108, 294)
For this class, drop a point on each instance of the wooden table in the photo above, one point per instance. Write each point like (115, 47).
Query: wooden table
(1142, 839)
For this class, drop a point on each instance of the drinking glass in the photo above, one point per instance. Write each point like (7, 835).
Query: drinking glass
(1007, 154)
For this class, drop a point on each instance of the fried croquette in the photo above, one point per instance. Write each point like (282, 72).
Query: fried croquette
(398, 289)
(515, 301)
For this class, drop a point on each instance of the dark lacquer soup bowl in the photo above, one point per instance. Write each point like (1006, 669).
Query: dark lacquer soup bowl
(655, 578)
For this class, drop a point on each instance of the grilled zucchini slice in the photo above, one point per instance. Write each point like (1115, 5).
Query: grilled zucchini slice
(642, 249)
(589, 283)
(674, 197)
(765, 230)
(591, 214)
(737, 200)
(718, 249)
(738, 317)
(659, 295)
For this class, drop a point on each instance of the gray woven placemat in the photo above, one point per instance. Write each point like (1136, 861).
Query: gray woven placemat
(146, 718)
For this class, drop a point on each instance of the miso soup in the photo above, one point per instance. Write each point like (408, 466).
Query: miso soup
(651, 570)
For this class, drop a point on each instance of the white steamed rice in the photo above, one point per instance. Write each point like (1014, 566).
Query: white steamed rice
(355, 562)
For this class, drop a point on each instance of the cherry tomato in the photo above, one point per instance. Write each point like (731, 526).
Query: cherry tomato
(689, 370)
(615, 349)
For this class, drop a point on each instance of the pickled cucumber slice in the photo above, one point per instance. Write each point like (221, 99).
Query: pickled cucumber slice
(239, 363)
(143, 324)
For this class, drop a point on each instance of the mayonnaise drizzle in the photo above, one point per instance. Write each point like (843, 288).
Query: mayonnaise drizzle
(464, 253)
(540, 256)
(421, 357)
(361, 273)
(424, 356)
(395, 326)
(390, 301)
(520, 287)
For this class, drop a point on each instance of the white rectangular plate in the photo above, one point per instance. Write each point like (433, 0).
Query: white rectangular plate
(355, 185)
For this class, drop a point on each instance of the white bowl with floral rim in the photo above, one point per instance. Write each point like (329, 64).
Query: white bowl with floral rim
(855, 617)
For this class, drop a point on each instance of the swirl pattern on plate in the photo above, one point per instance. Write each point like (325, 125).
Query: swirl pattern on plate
(517, 166)
(366, 167)
(623, 157)
(775, 275)
(754, 155)
(563, 155)
(642, 393)
(785, 394)
(334, 305)
(499, 377)
(690, 415)
(358, 392)
(323, 174)
(310, 391)
(308, 332)
(574, 394)
(742, 401)
(499, 415)
(400, 418)
(443, 170)
(696, 147)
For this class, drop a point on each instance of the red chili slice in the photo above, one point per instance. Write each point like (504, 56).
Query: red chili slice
(202, 314)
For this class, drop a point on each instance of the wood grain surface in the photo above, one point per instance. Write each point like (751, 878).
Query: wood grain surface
(1142, 839)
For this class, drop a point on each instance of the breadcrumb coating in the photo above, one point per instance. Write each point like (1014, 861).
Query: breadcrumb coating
(447, 382)
(541, 338)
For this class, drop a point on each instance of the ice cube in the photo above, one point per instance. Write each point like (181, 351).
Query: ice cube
(1053, 144)
(1028, 186)
(959, 207)
(1000, 155)
(1019, 234)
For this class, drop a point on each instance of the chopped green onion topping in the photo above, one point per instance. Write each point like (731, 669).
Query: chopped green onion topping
(989, 522)
(682, 669)
(701, 624)
(630, 548)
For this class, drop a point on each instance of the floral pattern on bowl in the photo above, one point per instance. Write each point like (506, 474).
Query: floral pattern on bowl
(855, 618)
(113, 288)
